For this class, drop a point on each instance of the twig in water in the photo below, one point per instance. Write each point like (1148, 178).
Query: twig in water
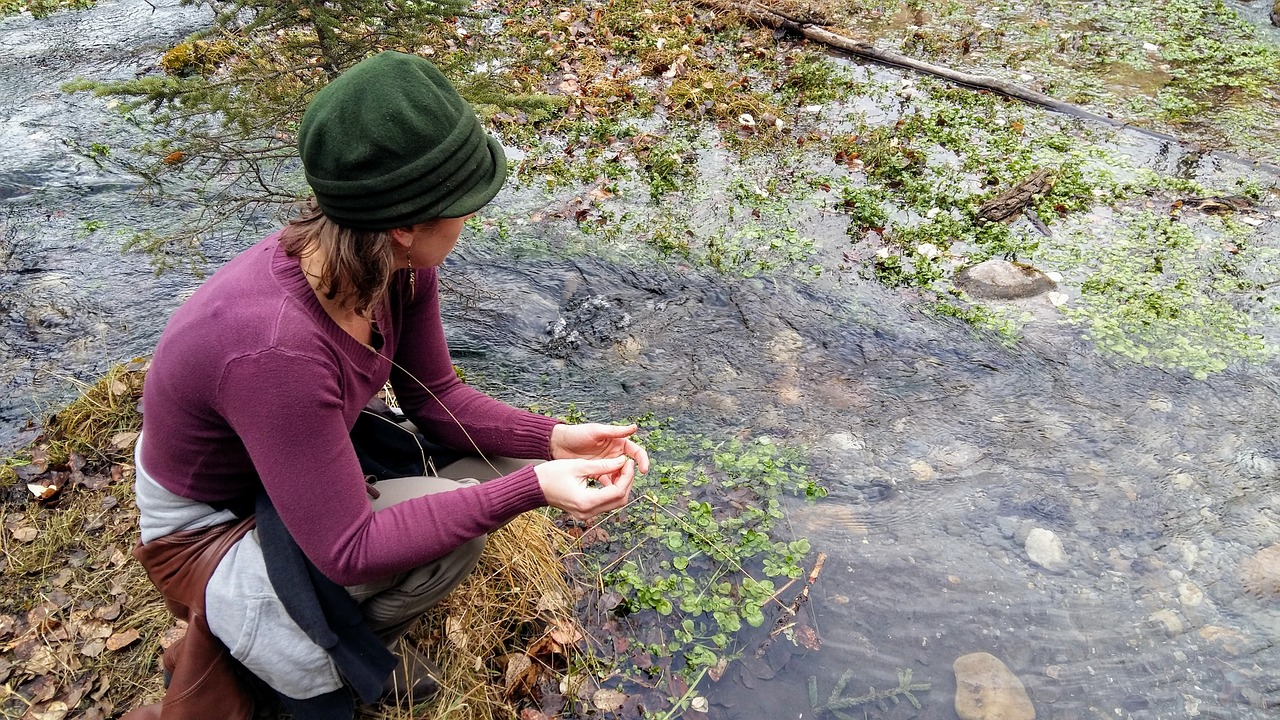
(783, 621)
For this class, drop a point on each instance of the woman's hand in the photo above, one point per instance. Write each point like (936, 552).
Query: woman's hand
(565, 483)
(591, 441)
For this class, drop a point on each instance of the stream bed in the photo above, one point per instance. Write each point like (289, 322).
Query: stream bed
(950, 455)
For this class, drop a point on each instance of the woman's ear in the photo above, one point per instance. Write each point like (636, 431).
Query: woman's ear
(401, 236)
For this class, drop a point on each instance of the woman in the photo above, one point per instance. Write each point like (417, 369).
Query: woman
(258, 379)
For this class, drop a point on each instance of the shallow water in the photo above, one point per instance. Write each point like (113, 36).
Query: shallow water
(943, 449)
(942, 452)
(70, 303)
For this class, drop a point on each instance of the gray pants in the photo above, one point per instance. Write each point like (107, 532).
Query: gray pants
(244, 612)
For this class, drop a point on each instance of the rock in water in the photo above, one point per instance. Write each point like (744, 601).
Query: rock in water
(1260, 573)
(1003, 280)
(987, 690)
(1045, 549)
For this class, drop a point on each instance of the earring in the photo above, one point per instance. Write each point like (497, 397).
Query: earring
(413, 278)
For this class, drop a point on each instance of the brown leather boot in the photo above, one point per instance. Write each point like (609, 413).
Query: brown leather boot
(415, 679)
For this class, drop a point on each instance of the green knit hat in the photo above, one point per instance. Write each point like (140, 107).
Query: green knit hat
(390, 143)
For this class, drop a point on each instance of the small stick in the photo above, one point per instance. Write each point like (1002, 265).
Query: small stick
(783, 621)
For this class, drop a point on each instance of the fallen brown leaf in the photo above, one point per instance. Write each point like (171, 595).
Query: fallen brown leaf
(122, 440)
(43, 617)
(95, 629)
(7, 624)
(607, 700)
(122, 639)
(717, 671)
(93, 648)
(95, 482)
(807, 637)
(173, 635)
(108, 612)
(521, 676)
(565, 632)
(43, 489)
(40, 662)
(55, 710)
(24, 533)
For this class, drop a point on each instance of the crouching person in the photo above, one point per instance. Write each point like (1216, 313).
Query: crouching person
(257, 524)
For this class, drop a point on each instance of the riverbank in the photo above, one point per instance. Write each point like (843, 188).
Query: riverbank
(83, 629)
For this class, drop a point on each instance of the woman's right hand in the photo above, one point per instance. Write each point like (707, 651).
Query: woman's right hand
(565, 484)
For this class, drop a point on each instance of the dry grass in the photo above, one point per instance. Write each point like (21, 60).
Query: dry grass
(70, 587)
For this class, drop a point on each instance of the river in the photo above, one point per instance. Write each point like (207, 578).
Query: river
(946, 451)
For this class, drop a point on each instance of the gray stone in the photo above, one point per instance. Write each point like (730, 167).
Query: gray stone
(1003, 280)
(1045, 549)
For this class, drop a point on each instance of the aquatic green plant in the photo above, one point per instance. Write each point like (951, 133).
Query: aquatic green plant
(703, 541)
(1159, 295)
(41, 8)
(838, 703)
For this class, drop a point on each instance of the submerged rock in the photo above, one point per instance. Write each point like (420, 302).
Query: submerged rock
(1260, 574)
(987, 690)
(1045, 549)
(1003, 280)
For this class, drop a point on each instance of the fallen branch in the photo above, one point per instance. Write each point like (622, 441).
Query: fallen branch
(789, 612)
(816, 33)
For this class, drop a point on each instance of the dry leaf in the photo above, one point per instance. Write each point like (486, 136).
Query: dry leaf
(122, 440)
(455, 631)
(41, 661)
(122, 639)
(608, 700)
(93, 648)
(532, 714)
(545, 648)
(24, 533)
(41, 490)
(56, 710)
(95, 482)
(38, 465)
(565, 632)
(699, 704)
(115, 555)
(521, 676)
(172, 636)
(552, 602)
(717, 671)
(108, 612)
(43, 617)
(807, 637)
(79, 688)
(95, 629)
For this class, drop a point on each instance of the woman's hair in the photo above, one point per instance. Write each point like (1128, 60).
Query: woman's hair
(358, 263)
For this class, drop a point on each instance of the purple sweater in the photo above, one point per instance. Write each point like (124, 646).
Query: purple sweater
(253, 385)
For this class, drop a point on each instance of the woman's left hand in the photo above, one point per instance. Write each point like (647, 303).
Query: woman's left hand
(590, 441)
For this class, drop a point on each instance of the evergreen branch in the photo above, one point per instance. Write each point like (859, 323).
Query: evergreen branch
(836, 704)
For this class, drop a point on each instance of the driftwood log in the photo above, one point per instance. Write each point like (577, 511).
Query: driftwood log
(818, 33)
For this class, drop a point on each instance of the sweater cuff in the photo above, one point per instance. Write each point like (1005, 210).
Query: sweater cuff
(531, 437)
(513, 494)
